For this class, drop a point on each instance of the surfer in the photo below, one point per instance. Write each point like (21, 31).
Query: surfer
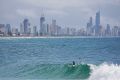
(73, 63)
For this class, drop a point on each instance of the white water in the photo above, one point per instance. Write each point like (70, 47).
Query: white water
(105, 72)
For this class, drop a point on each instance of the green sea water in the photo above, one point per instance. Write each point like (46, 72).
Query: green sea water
(51, 58)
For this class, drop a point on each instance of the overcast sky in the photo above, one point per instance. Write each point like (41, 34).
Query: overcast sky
(71, 13)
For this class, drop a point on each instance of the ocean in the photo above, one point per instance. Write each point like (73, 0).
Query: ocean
(51, 58)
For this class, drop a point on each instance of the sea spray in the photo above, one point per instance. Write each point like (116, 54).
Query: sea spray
(105, 71)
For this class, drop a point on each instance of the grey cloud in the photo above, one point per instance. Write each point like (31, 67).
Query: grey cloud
(67, 12)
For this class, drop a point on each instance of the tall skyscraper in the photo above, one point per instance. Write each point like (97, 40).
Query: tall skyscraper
(119, 32)
(91, 22)
(2, 29)
(108, 30)
(115, 31)
(42, 20)
(34, 31)
(48, 29)
(97, 23)
(89, 27)
(59, 30)
(53, 28)
(29, 31)
(26, 25)
(21, 29)
(8, 30)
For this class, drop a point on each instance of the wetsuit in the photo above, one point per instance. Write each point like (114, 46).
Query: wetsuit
(73, 62)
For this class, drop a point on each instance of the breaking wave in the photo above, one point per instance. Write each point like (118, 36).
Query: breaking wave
(56, 71)
(103, 71)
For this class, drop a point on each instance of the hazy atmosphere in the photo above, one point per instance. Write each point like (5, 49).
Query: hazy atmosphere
(59, 39)
(71, 13)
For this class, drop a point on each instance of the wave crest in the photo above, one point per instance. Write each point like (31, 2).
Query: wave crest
(105, 71)
(66, 71)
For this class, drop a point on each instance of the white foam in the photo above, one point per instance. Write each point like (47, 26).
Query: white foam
(105, 72)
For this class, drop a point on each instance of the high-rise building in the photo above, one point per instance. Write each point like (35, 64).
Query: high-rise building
(108, 30)
(48, 29)
(64, 31)
(15, 32)
(81, 32)
(115, 31)
(68, 31)
(21, 29)
(119, 32)
(42, 20)
(2, 29)
(29, 31)
(59, 30)
(97, 23)
(8, 30)
(34, 31)
(101, 31)
(26, 25)
(54, 28)
(91, 21)
(45, 29)
(73, 31)
(89, 27)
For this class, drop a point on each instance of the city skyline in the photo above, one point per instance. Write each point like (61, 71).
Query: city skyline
(73, 14)
(53, 29)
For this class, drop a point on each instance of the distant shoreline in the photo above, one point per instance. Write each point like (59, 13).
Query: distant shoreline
(66, 37)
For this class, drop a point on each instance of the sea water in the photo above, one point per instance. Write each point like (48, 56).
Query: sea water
(51, 58)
